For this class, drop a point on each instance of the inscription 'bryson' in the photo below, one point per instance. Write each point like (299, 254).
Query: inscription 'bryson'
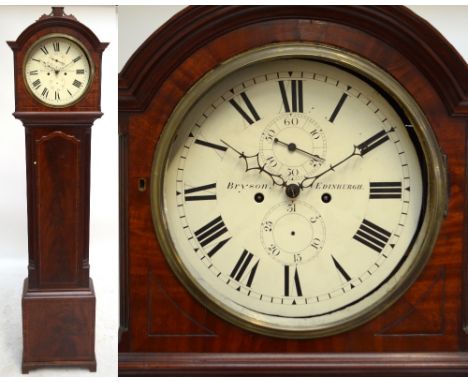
(247, 186)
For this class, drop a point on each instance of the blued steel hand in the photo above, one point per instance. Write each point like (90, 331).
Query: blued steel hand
(252, 162)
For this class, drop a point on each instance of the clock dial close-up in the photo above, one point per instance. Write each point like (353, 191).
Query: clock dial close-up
(57, 71)
(293, 193)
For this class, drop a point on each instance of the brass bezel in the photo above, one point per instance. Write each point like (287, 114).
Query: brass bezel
(436, 181)
(88, 57)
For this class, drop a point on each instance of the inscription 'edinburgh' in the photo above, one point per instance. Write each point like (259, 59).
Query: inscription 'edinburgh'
(338, 186)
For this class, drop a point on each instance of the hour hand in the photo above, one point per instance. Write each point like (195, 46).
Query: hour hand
(252, 162)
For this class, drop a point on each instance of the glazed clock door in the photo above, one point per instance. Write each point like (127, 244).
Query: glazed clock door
(294, 194)
(58, 70)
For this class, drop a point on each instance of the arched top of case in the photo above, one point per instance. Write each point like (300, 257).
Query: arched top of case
(57, 19)
(196, 26)
(49, 24)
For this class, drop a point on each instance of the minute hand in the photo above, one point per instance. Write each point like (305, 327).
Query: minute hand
(71, 62)
(359, 150)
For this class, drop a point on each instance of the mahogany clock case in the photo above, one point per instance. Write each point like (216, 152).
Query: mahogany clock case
(102, 20)
(164, 330)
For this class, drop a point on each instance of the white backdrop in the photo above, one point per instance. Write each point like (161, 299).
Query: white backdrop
(104, 195)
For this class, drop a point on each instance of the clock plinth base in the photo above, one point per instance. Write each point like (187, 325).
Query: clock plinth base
(58, 328)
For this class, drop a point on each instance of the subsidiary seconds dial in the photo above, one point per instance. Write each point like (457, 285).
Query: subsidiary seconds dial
(57, 70)
(292, 196)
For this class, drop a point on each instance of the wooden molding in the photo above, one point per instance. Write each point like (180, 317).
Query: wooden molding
(57, 118)
(291, 364)
(197, 26)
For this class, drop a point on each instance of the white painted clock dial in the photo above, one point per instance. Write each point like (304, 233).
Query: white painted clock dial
(57, 71)
(293, 192)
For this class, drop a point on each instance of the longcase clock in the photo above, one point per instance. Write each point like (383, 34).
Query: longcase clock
(57, 63)
(292, 195)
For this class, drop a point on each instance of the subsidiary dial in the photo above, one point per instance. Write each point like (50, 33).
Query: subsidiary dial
(293, 145)
(293, 233)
